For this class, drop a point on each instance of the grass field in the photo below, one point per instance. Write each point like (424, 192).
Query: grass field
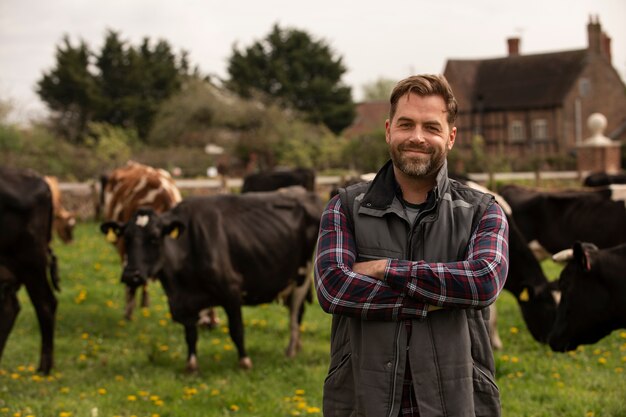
(105, 366)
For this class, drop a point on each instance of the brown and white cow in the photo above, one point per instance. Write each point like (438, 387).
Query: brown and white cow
(125, 190)
(64, 221)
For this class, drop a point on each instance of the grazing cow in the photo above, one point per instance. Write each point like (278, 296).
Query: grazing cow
(559, 218)
(273, 180)
(526, 281)
(125, 190)
(593, 296)
(26, 222)
(226, 250)
(64, 221)
(602, 179)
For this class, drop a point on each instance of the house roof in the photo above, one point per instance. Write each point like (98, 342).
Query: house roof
(370, 117)
(516, 82)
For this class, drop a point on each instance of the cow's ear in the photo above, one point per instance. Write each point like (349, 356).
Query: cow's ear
(173, 229)
(112, 230)
(581, 256)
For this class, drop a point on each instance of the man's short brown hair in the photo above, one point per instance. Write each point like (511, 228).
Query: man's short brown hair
(425, 85)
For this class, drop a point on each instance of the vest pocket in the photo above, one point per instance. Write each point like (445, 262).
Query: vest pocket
(339, 397)
(486, 393)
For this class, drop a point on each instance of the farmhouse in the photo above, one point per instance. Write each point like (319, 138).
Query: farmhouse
(538, 105)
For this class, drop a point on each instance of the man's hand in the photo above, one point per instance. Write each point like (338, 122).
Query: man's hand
(374, 269)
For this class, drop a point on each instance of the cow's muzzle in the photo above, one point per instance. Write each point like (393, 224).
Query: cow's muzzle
(133, 278)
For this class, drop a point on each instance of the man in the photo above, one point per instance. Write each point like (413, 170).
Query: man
(408, 264)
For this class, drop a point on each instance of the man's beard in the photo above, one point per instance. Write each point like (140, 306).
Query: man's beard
(425, 165)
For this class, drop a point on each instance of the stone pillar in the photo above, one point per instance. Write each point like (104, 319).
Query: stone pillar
(598, 153)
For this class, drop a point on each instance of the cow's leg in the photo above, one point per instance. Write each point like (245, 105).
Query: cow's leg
(145, 296)
(296, 311)
(191, 337)
(208, 318)
(9, 309)
(235, 328)
(45, 304)
(496, 343)
(130, 302)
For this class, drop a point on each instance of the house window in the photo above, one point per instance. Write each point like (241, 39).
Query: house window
(540, 129)
(584, 87)
(516, 131)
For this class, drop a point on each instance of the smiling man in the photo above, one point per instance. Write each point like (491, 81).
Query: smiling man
(408, 264)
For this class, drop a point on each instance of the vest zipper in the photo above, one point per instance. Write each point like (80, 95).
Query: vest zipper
(395, 369)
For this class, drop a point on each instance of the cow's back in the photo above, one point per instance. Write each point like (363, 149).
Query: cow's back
(135, 185)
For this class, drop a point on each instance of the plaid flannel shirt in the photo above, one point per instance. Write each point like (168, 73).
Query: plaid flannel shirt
(409, 287)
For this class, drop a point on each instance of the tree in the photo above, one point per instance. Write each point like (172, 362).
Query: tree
(297, 71)
(70, 90)
(122, 85)
(379, 89)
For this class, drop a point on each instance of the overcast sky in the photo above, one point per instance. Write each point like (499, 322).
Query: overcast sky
(384, 38)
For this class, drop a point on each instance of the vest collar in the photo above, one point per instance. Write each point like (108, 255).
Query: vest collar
(382, 190)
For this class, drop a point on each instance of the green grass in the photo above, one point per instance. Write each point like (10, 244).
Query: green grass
(107, 367)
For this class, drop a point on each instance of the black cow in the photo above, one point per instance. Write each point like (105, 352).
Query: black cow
(526, 280)
(559, 218)
(225, 250)
(273, 180)
(593, 296)
(26, 216)
(602, 179)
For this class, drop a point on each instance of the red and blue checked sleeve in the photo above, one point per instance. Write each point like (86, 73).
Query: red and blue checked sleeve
(409, 287)
(344, 292)
(475, 282)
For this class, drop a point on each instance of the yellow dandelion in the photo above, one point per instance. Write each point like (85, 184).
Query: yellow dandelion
(64, 390)
(15, 376)
(119, 378)
(121, 323)
(154, 398)
(159, 403)
(619, 370)
(622, 335)
(97, 266)
(556, 375)
(301, 406)
(216, 341)
(234, 407)
(102, 391)
(3, 372)
(4, 410)
(145, 312)
(36, 378)
(132, 398)
(299, 392)
(215, 392)
(21, 368)
(597, 351)
(109, 303)
(623, 358)
(504, 358)
(18, 414)
(590, 414)
(514, 330)
(65, 414)
(602, 361)
(312, 410)
(228, 347)
(30, 368)
(82, 357)
(164, 348)
(560, 384)
(84, 336)
(295, 413)
(162, 322)
(514, 359)
(155, 415)
(143, 393)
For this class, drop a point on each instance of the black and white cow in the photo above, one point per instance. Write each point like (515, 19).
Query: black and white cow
(593, 296)
(526, 281)
(280, 178)
(225, 250)
(26, 216)
(557, 219)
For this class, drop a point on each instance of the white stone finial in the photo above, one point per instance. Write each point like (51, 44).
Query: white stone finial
(596, 124)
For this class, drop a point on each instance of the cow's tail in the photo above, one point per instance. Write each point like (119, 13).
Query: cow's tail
(54, 269)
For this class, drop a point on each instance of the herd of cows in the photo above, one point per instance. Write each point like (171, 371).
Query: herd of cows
(256, 246)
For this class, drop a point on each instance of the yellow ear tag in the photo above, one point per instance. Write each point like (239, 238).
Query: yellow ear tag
(174, 233)
(111, 236)
(524, 295)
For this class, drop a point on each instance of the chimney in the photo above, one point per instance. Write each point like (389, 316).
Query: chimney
(606, 47)
(513, 46)
(594, 35)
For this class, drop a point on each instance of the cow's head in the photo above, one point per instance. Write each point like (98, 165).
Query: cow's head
(64, 223)
(583, 315)
(144, 239)
(538, 303)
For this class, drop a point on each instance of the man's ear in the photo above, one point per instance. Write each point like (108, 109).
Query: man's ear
(173, 229)
(112, 230)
